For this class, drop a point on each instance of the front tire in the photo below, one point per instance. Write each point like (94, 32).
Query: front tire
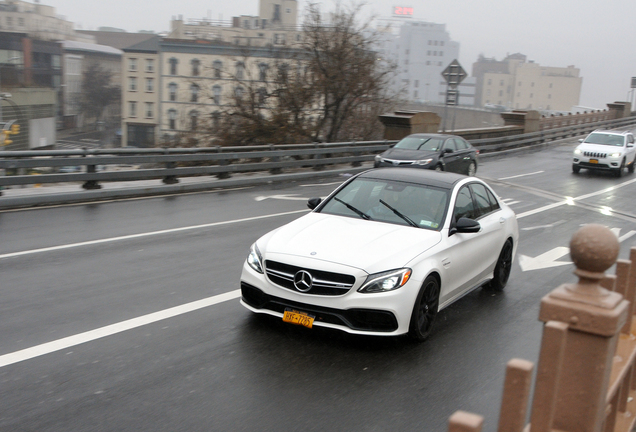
(575, 168)
(502, 268)
(439, 168)
(630, 167)
(425, 310)
(619, 171)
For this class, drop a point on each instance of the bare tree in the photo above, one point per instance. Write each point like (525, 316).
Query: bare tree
(331, 86)
(98, 92)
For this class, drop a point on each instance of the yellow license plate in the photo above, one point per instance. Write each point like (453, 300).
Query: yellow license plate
(594, 161)
(299, 318)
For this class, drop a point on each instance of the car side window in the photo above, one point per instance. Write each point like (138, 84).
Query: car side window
(461, 144)
(464, 206)
(450, 144)
(630, 139)
(494, 204)
(484, 206)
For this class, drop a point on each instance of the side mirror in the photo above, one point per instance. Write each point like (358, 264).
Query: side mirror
(312, 203)
(447, 150)
(630, 145)
(465, 225)
(581, 140)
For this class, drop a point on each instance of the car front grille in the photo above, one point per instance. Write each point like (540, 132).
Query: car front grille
(398, 162)
(322, 282)
(357, 319)
(595, 155)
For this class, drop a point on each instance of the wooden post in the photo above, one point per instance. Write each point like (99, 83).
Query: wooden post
(594, 317)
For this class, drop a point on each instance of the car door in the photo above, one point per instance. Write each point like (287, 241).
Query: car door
(452, 160)
(463, 150)
(469, 257)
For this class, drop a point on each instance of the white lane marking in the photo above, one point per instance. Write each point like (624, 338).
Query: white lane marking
(148, 234)
(67, 342)
(570, 201)
(520, 175)
(552, 225)
(291, 197)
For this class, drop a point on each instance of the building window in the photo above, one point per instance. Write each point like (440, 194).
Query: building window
(238, 92)
(217, 65)
(262, 72)
(416, 84)
(194, 93)
(500, 92)
(216, 119)
(150, 85)
(193, 120)
(276, 16)
(172, 90)
(173, 66)
(149, 110)
(279, 38)
(262, 96)
(172, 119)
(195, 67)
(531, 94)
(132, 83)
(21, 22)
(132, 109)
(415, 94)
(240, 70)
(549, 96)
(550, 85)
(216, 94)
(132, 64)
(489, 81)
(150, 65)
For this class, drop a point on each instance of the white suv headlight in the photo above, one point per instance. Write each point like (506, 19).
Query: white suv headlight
(577, 152)
(386, 281)
(616, 155)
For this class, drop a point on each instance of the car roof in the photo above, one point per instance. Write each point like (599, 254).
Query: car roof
(613, 131)
(431, 135)
(445, 180)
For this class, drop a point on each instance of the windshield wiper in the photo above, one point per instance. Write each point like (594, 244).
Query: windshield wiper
(353, 209)
(406, 218)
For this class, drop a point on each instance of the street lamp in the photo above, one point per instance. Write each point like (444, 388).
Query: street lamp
(4, 95)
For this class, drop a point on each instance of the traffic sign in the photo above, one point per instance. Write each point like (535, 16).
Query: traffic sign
(452, 97)
(454, 74)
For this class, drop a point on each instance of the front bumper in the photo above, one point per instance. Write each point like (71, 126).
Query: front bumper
(377, 314)
(597, 164)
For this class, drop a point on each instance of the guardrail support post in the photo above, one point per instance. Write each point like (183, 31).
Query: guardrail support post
(170, 179)
(594, 317)
(91, 184)
(275, 159)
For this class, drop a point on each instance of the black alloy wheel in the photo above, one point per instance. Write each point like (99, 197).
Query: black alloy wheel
(439, 168)
(425, 310)
(502, 268)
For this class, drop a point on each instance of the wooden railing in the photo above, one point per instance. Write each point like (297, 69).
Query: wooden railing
(586, 377)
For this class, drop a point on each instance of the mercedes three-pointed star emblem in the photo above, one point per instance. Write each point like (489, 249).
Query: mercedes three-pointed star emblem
(303, 280)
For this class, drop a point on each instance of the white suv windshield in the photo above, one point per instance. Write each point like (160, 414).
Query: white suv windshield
(605, 139)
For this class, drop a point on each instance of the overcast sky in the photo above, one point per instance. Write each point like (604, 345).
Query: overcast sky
(596, 36)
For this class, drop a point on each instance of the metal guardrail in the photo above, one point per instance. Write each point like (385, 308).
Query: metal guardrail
(126, 164)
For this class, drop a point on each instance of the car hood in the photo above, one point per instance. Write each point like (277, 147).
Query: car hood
(403, 154)
(599, 148)
(367, 245)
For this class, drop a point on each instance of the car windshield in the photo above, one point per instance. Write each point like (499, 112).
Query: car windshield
(420, 143)
(605, 139)
(390, 201)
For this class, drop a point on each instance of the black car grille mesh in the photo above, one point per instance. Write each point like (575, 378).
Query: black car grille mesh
(595, 155)
(323, 283)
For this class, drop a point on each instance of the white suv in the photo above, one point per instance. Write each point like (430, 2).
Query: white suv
(611, 150)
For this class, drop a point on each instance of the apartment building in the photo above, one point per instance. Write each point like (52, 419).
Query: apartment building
(422, 50)
(516, 83)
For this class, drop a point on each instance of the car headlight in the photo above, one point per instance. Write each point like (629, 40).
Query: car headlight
(424, 161)
(255, 259)
(616, 155)
(577, 152)
(386, 281)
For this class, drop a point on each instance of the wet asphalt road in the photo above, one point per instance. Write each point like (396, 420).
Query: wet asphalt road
(218, 367)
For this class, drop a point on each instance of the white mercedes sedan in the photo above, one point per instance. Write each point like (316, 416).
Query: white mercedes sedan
(383, 253)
